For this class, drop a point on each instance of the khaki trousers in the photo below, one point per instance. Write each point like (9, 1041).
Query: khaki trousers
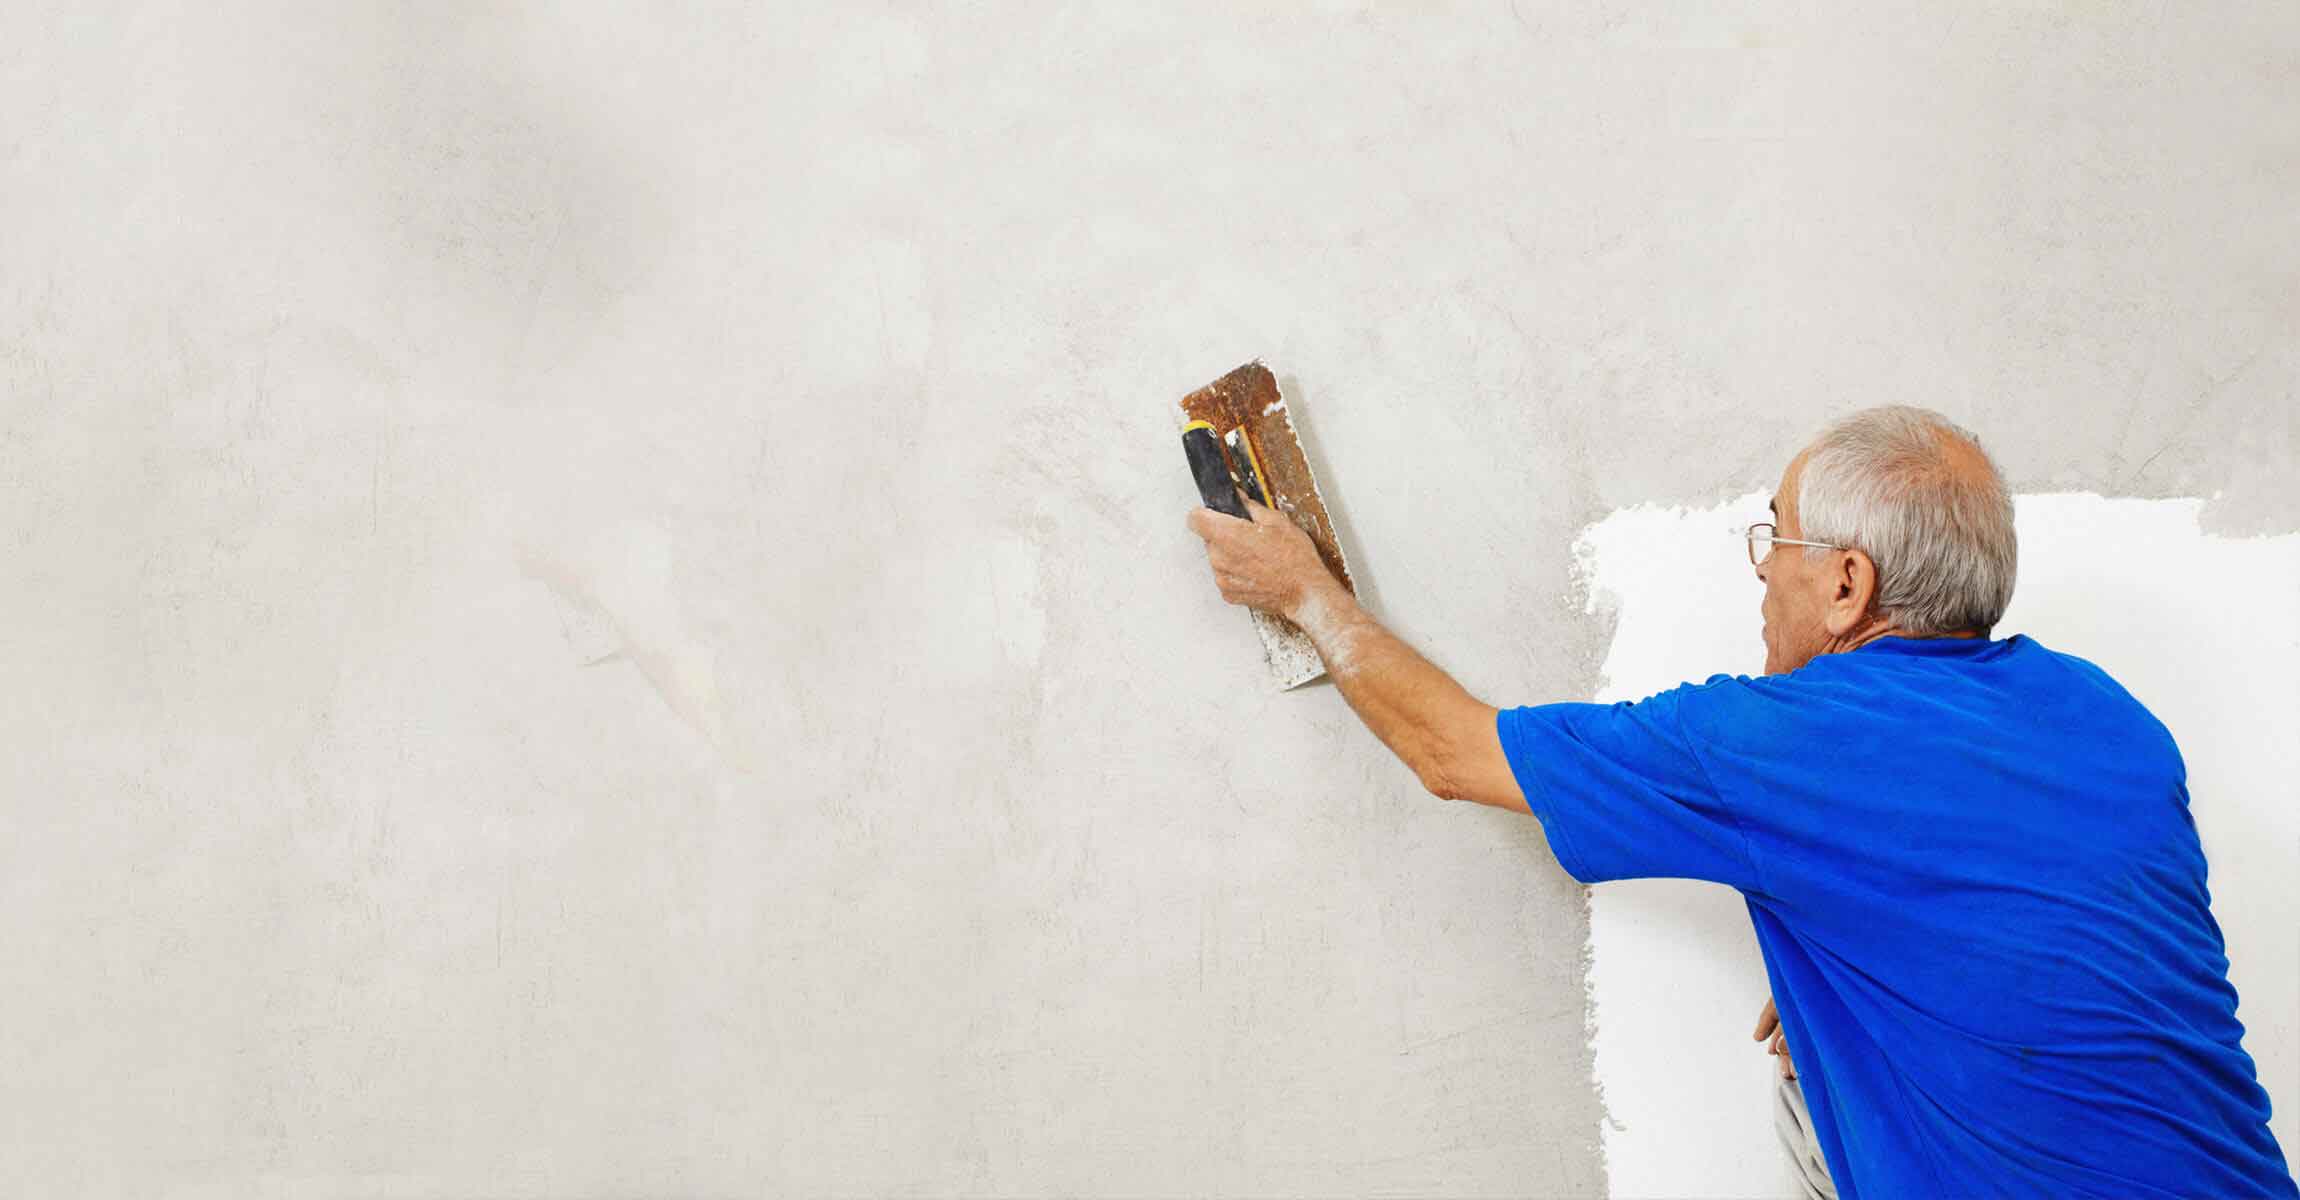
(1795, 1125)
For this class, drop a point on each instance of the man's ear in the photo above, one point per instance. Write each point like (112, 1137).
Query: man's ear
(1852, 592)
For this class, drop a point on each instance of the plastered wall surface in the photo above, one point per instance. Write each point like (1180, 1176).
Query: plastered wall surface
(1675, 973)
(596, 601)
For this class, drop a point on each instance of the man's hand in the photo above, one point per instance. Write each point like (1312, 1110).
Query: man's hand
(1445, 734)
(1769, 1025)
(1266, 562)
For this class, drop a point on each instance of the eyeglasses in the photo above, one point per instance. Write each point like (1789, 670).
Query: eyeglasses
(1762, 531)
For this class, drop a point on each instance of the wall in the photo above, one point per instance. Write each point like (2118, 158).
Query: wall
(597, 602)
(1674, 971)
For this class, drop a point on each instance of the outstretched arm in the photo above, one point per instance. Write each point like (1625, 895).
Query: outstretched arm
(1442, 732)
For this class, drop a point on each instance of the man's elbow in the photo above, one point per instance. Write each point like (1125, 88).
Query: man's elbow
(1473, 769)
(1442, 771)
(1438, 782)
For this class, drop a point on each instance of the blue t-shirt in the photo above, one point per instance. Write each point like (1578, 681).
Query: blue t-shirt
(1980, 899)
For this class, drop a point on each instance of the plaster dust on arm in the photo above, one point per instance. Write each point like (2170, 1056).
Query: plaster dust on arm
(1426, 718)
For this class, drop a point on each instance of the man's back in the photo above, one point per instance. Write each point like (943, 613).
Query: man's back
(1980, 898)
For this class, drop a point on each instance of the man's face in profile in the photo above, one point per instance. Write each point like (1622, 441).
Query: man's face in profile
(1795, 628)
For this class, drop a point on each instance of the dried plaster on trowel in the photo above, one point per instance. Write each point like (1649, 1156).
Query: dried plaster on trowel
(1292, 652)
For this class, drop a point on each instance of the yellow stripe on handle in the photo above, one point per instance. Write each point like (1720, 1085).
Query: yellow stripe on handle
(1254, 464)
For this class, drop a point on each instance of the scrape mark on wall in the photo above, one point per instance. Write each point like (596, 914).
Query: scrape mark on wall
(615, 600)
(1015, 588)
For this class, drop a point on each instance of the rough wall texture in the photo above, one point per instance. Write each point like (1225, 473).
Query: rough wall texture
(597, 602)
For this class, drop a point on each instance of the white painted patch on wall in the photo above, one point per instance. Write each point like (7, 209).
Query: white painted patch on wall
(2200, 628)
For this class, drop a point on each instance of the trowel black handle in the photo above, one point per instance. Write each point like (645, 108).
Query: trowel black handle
(1211, 470)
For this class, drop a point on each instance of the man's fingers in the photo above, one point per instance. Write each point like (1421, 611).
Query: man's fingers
(1205, 521)
(1263, 514)
(1769, 1026)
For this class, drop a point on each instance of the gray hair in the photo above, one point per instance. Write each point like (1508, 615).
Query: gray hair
(1886, 481)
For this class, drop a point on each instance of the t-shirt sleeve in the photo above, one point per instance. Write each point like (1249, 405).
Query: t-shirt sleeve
(1621, 791)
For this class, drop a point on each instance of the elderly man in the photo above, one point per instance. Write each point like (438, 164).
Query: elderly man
(1968, 860)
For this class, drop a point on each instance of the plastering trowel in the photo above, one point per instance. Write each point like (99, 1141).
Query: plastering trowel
(1239, 437)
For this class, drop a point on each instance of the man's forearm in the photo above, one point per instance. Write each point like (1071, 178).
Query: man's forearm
(1412, 706)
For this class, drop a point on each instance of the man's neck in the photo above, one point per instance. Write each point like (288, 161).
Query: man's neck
(1881, 628)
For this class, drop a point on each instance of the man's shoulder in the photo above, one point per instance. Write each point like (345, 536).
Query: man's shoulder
(2023, 662)
(2110, 694)
(1726, 707)
(2062, 669)
(2089, 670)
(1905, 685)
